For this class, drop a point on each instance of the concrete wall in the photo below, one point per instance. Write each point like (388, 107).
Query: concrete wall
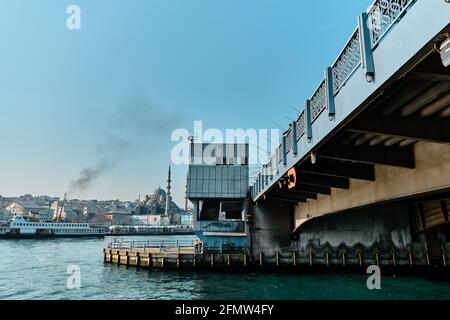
(432, 173)
(386, 227)
(383, 228)
(271, 227)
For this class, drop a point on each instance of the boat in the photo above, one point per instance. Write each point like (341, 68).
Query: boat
(26, 227)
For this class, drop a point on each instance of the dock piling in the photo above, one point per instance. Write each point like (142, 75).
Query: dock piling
(444, 257)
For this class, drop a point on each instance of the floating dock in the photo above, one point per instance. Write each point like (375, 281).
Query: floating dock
(183, 255)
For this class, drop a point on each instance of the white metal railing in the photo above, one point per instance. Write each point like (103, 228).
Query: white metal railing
(119, 244)
(383, 14)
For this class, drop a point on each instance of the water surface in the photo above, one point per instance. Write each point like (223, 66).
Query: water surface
(37, 269)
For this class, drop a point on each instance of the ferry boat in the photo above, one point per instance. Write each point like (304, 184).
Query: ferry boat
(27, 227)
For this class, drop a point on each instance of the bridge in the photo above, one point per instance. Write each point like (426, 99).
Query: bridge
(372, 140)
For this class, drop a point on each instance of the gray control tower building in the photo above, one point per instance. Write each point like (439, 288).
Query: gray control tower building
(218, 184)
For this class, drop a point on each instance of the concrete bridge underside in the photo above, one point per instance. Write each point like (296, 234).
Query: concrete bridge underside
(390, 158)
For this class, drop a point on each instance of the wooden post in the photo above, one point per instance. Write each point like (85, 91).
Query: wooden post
(394, 260)
(245, 260)
(212, 260)
(178, 262)
(228, 260)
(149, 256)
(162, 263)
(344, 262)
(194, 262)
(110, 256)
(360, 259)
(260, 259)
(428, 259)
(277, 259)
(327, 259)
(127, 260)
(444, 257)
(311, 259)
(294, 259)
(138, 259)
(377, 258)
(410, 260)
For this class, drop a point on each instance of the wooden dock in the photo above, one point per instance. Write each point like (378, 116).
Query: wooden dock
(177, 255)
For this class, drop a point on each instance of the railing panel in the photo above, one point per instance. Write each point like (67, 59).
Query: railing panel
(280, 153)
(347, 62)
(318, 101)
(301, 125)
(383, 15)
(289, 141)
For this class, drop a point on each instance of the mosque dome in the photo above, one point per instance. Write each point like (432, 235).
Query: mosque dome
(159, 193)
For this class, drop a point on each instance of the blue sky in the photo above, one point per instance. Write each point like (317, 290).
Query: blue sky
(65, 95)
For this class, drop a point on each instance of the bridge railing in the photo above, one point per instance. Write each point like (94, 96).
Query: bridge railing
(381, 17)
(118, 244)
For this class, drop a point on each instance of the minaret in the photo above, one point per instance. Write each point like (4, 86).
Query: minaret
(168, 200)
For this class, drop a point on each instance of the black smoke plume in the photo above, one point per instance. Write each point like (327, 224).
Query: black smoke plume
(134, 124)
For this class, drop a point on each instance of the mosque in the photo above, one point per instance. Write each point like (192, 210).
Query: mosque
(160, 203)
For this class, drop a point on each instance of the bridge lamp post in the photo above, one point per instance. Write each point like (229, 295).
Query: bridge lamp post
(313, 158)
(444, 51)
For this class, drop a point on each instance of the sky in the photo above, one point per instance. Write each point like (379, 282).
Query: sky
(101, 102)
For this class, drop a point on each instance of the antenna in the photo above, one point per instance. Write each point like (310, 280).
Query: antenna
(282, 129)
(289, 118)
(294, 108)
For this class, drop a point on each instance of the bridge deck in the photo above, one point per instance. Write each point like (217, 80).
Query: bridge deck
(385, 92)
